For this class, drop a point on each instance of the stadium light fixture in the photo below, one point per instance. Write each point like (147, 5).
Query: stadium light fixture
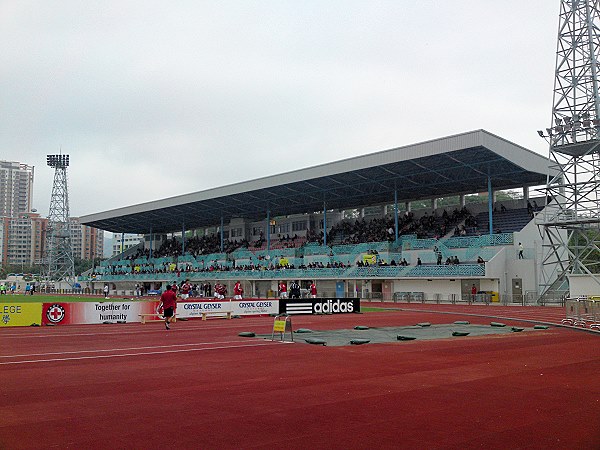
(58, 161)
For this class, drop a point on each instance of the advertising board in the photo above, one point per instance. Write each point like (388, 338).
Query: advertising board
(20, 314)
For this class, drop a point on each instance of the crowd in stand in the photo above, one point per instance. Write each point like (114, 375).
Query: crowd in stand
(383, 228)
(345, 232)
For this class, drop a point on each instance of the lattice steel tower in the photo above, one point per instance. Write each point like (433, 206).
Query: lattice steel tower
(59, 252)
(570, 223)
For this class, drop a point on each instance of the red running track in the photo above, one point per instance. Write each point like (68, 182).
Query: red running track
(201, 386)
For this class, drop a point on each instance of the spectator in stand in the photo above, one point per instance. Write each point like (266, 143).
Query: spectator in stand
(313, 290)
(238, 291)
(419, 261)
(283, 290)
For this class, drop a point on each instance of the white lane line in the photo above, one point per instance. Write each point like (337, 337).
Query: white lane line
(121, 332)
(117, 349)
(78, 358)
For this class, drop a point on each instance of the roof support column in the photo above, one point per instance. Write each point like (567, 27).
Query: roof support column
(151, 241)
(222, 245)
(182, 238)
(268, 230)
(462, 200)
(395, 214)
(325, 223)
(525, 195)
(490, 204)
(122, 242)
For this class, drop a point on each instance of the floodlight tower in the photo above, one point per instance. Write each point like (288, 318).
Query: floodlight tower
(570, 223)
(59, 253)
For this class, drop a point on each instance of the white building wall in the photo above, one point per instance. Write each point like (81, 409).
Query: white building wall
(581, 285)
(430, 287)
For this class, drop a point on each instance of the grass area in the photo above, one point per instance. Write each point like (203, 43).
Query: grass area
(48, 298)
(372, 309)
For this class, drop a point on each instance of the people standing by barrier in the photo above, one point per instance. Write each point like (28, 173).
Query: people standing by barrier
(186, 287)
(313, 289)
(238, 290)
(283, 290)
(294, 290)
(220, 291)
(105, 289)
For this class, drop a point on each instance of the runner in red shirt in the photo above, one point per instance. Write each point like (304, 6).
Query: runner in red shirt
(168, 305)
(313, 290)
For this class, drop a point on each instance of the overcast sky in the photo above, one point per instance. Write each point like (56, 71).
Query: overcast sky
(155, 99)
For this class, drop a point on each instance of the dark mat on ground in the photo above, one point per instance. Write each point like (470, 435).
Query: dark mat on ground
(379, 335)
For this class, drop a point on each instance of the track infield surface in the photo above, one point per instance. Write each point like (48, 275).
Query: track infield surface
(200, 385)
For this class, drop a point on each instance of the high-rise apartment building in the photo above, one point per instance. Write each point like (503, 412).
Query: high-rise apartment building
(22, 240)
(16, 188)
(122, 242)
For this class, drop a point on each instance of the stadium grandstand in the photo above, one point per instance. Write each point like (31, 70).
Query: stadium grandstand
(351, 228)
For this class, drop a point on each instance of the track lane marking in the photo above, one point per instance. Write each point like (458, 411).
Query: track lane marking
(79, 358)
(121, 332)
(118, 349)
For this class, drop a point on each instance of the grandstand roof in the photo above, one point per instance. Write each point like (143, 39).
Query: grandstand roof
(459, 164)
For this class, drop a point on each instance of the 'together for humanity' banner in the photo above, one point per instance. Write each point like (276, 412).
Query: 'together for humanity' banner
(95, 312)
(100, 312)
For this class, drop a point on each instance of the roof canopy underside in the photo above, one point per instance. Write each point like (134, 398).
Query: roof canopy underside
(347, 184)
